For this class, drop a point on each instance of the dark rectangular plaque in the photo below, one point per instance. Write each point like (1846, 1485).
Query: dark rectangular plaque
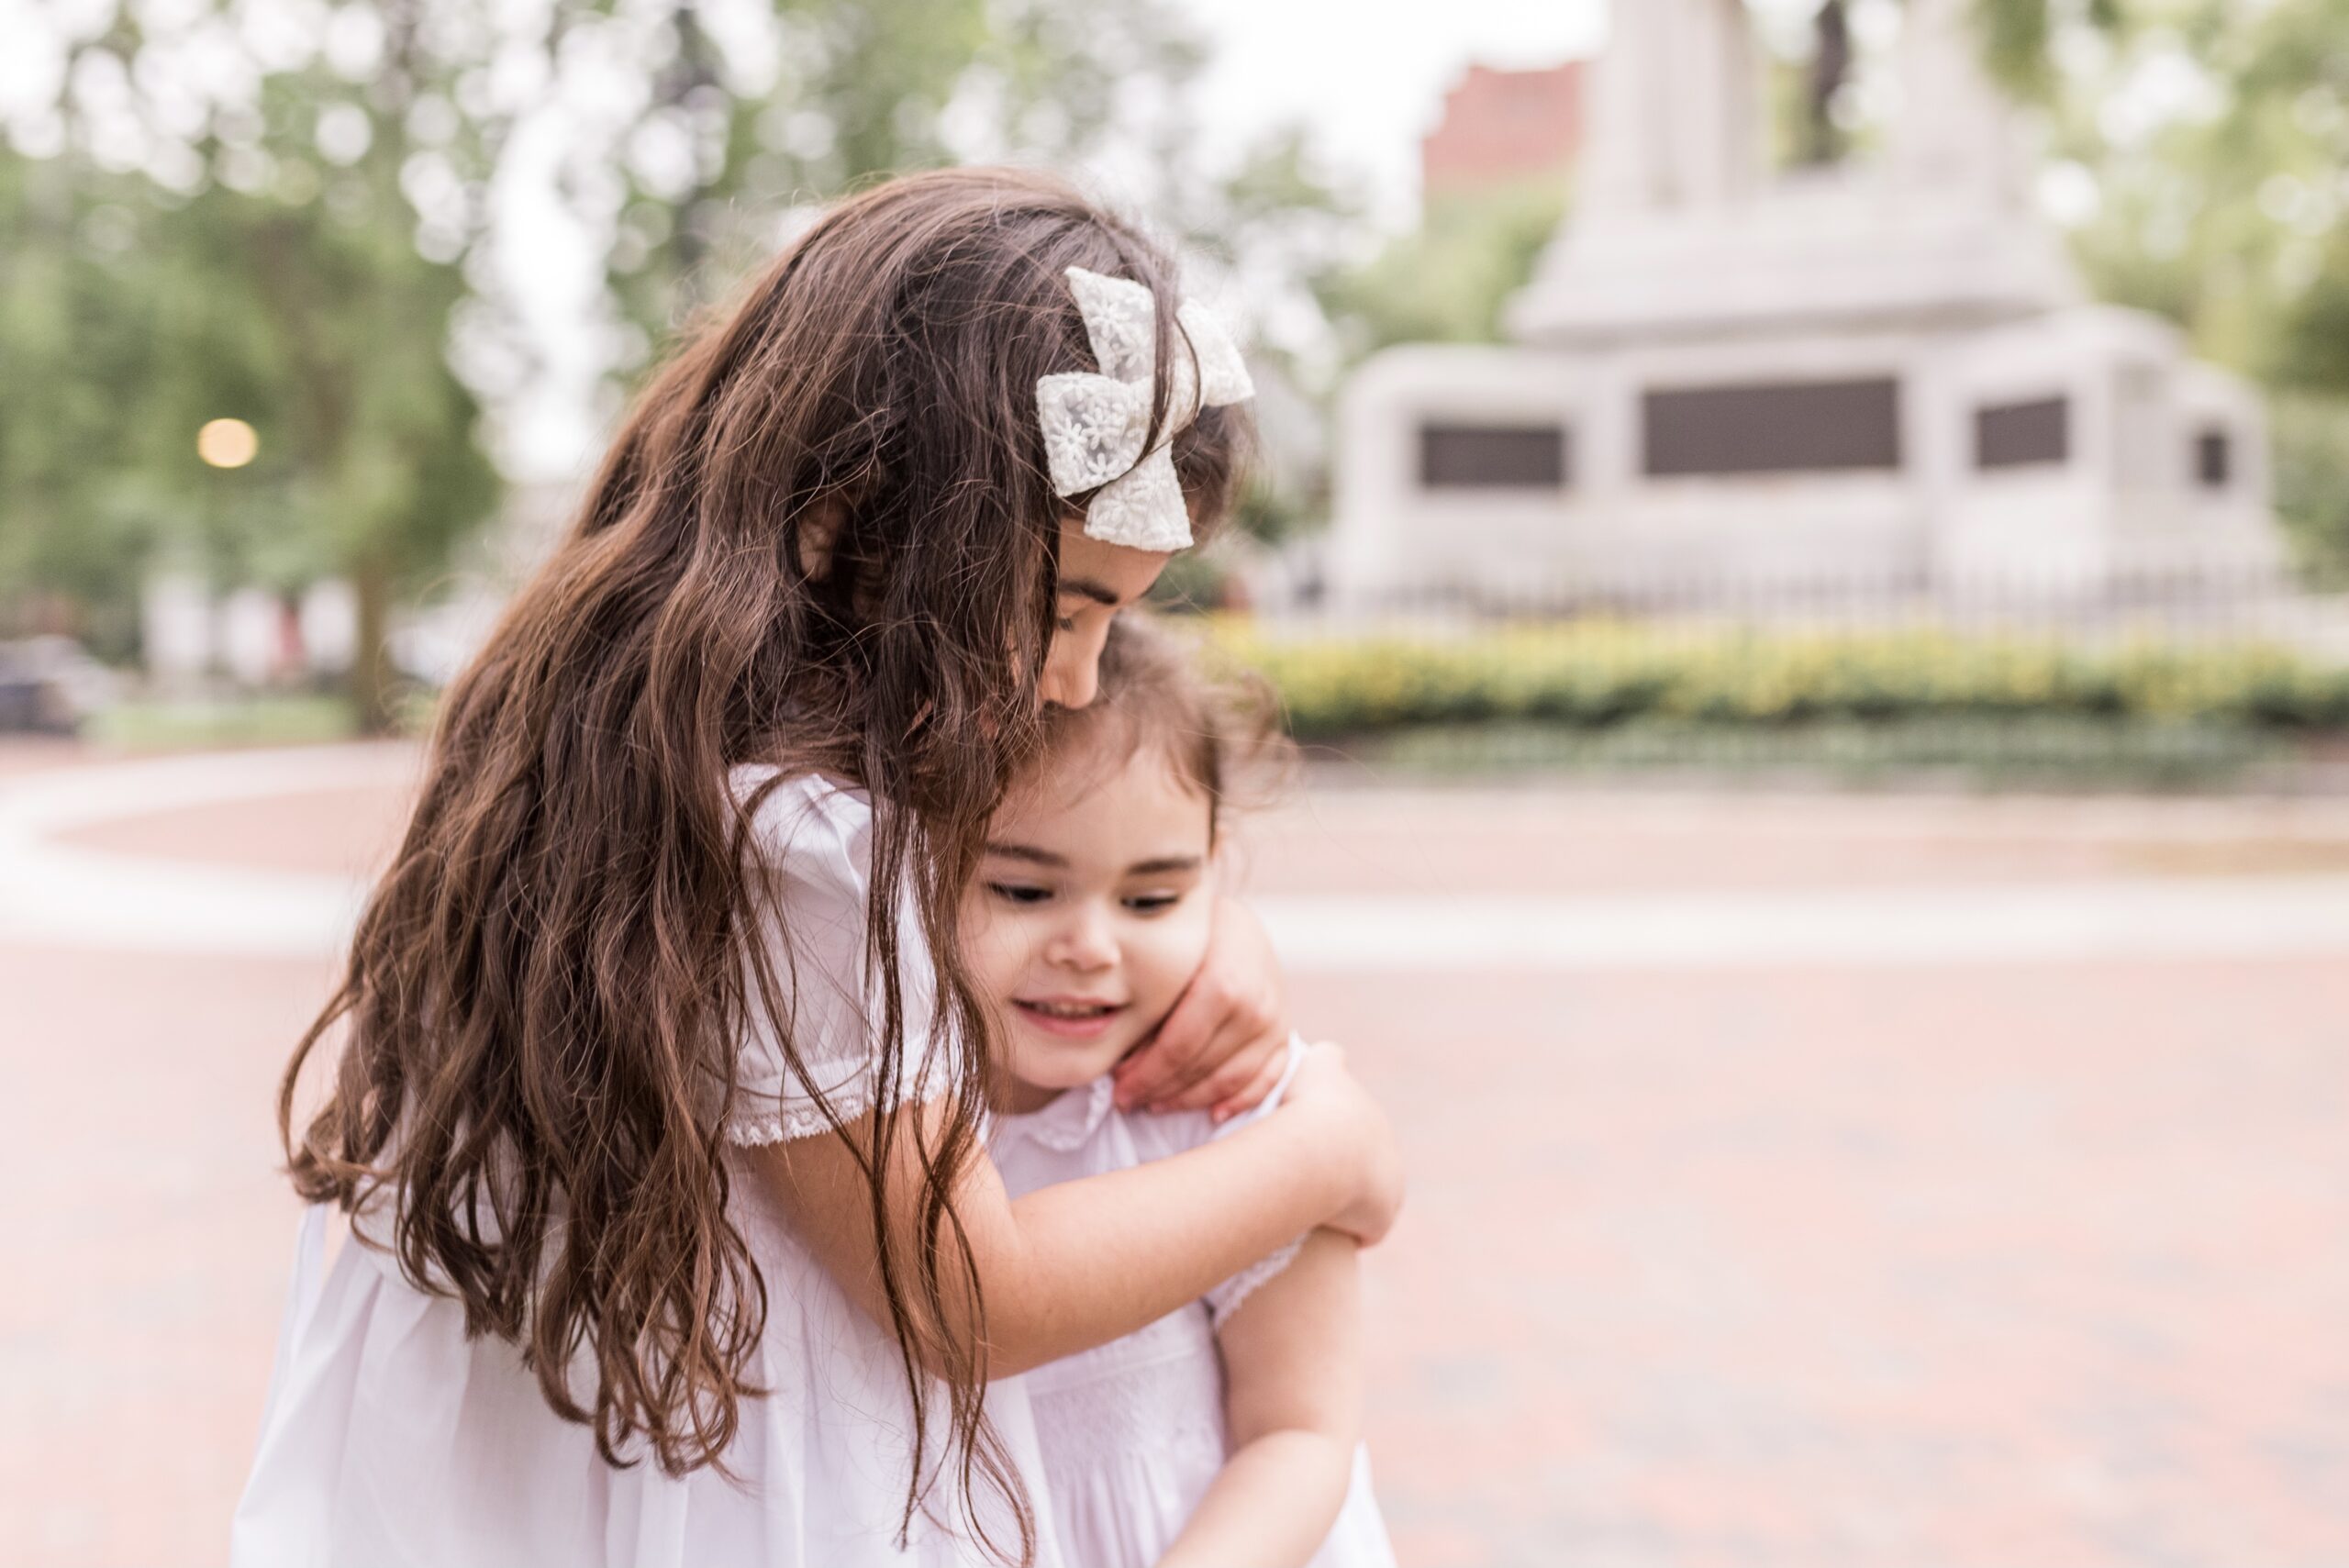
(1493, 457)
(2214, 459)
(1800, 427)
(2023, 435)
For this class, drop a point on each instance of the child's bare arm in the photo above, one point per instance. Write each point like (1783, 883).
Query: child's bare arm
(1292, 1355)
(1080, 1264)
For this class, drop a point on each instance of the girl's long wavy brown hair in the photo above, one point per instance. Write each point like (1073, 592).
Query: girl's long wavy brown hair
(544, 997)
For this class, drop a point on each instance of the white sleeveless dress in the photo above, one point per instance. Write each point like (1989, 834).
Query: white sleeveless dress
(391, 1439)
(1133, 1433)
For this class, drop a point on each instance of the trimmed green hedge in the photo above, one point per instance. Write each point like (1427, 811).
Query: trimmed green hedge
(1593, 674)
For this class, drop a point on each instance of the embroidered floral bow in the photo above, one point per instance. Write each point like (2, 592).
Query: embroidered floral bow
(1095, 425)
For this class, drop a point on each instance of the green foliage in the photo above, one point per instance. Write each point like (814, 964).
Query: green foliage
(208, 725)
(1596, 675)
(861, 90)
(367, 437)
(2018, 36)
(2312, 454)
(1448, 279)
(76, 518)
(2017, 43)
(2033, 751)
(2227, 217)
(132, 318)
(270, 260)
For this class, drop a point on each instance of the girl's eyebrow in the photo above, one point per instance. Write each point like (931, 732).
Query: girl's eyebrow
(1086, 588)
(1030, 853)
(1164, 865)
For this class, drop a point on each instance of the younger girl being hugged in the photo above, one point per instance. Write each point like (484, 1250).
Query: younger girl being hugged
(661, 1082)
(1226, 1432)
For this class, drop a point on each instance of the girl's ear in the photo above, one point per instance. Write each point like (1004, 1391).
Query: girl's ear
(820, 532)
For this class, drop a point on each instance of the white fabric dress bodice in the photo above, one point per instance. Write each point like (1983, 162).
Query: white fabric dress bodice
(1132, 1433)
(393, 1440)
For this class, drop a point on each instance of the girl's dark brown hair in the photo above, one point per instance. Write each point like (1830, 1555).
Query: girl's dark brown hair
(545, 993)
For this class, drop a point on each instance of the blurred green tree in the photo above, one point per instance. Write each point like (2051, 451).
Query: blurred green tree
(277, 241)
(2213, 140)
(76, 515)
(2019, 44)
(740, 135)
(2018, 37)
(1447, 280)
(132, 321)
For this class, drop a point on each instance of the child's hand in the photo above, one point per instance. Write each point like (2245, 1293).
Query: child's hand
(1224, 1045)
(1363, 1136)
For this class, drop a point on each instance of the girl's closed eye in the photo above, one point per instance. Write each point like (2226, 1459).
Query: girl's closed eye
(1158, 901)
(1021, 893)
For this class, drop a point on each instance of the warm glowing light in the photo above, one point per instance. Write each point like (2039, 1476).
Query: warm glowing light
(226, 443)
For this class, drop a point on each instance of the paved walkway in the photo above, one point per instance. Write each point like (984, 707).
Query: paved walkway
(266, 854)
(1796, 1182)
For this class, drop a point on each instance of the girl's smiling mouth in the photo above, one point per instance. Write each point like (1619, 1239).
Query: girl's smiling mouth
(1071, 1018)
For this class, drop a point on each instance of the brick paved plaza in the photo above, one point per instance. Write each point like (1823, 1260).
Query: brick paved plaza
(1823, 1181)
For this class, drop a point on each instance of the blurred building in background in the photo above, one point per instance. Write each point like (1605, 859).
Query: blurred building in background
(196, 635)
(1880, 375)
(1504, 125)
(191, 634)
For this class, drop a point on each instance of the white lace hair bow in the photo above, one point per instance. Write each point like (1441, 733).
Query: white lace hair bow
(1095, 424)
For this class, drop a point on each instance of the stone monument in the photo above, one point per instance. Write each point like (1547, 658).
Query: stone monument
(1881, 376)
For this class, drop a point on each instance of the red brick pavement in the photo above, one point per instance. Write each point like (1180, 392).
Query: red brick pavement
(2041, 1267)
(150, 1240)
(2031, 1267)
(335, 833)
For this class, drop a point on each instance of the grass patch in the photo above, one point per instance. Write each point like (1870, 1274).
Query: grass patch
(2041, 751)
(207, 724)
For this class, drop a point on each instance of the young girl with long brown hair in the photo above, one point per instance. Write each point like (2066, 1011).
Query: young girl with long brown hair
(661, 1078)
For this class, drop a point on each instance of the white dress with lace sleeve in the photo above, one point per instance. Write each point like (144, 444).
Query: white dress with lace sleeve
(391, 1437)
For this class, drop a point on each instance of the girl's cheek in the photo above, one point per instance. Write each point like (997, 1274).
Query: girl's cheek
(996, 946)
(1176, 948)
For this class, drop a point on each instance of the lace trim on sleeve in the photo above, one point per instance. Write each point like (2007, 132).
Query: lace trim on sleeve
(798, 1120)
(1225, 1299)
(806, 1119)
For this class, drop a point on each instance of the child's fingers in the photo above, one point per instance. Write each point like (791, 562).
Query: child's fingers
(1189, 1045)
(1182, 1054)
(1252, 1093)
(1229, 1078)
(1231, 1004)
(1237, 1072)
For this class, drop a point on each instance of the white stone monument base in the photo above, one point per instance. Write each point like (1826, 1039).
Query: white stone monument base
(2097, 486)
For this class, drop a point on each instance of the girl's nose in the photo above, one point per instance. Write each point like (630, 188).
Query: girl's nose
(1085, 942)
(1070, 679)
(1072, 673)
